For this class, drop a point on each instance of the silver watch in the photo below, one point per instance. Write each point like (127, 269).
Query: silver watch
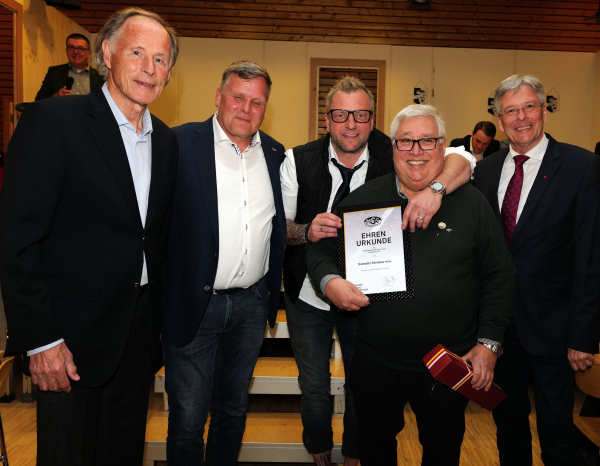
(438, 187)
(496, 349)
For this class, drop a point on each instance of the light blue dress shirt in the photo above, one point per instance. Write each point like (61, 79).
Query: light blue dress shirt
(139, 154)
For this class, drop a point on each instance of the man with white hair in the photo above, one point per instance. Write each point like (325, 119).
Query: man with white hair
(463, 284)
(83, 225)
(546, 198)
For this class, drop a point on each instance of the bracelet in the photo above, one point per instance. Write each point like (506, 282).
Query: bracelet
(304, 234)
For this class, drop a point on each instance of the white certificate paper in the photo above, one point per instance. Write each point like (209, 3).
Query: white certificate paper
(374, 249)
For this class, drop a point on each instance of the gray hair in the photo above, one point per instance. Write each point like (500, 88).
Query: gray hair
(414, 111)
(349, 85)
(112, 29)
(246, 69)
(514, 83)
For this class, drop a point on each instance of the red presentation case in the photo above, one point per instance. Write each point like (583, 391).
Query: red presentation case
(453, 371)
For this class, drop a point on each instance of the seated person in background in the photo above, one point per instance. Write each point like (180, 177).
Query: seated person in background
(85, 78)
(481, 143)
(463, 284)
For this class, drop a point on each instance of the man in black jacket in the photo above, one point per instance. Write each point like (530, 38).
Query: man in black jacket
(481, 142)
(85, 78)
(315, 177)
(84, 217)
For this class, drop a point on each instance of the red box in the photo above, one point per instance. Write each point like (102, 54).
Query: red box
(453, 371)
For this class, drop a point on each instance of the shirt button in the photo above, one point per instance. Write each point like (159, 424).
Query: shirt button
(246, 227)
(139, 202)
(138, 172)
(207, 288)
(244, 202)
(246, 251)
(243, 179)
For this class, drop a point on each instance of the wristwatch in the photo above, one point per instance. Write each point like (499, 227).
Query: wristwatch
(496, 349)
(438, 187)
(304, 234)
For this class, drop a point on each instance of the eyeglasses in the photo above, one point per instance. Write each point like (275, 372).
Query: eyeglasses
(527, 110)
(360, 116)
(70, 48)
(424, 143)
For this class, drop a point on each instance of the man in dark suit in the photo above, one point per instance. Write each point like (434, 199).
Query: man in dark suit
(85, 78)
(546, 197)
(225, 258)
(83, 231)
(481, 142)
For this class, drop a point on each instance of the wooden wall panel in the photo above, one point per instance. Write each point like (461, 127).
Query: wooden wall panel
(7, 84)
(510, 24)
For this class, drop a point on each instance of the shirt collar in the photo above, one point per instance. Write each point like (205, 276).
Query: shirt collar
(122, 119)
(399, 186)
(537, 152)
(221, 136)
(75, 70)
(363, 156)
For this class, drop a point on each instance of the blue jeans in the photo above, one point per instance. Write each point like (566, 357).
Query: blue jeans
(311, 330)
(214, 370)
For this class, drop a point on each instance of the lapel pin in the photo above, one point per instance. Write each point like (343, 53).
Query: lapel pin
(273, 149)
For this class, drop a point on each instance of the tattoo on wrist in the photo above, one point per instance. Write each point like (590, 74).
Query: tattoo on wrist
(294, 233)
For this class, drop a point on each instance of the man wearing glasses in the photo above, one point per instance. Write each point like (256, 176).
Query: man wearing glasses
(463, 283)
(75, 77)
(545, 195)
(315, 177)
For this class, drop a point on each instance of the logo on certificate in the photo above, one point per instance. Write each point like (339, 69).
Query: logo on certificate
(372, 221)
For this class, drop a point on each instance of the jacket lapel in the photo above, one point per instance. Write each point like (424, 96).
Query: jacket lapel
(492, 192)
(550, 163)
(108, 138)
(158, 149)
(273, 166)
(204, 154)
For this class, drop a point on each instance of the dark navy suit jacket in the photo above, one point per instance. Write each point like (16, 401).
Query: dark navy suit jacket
(194, 235)
(556, 249)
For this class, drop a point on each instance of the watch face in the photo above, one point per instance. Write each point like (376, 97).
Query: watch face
(437, 186)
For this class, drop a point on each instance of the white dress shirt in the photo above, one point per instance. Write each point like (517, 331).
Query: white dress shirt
(530, 170)
(246, 209)
(309, 293)
(139, 156)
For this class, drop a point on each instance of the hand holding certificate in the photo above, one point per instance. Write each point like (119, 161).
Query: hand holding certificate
(374, 251)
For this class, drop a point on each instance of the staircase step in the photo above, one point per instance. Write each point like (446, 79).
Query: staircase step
(276, 376)
(281, 329)
(269, 437)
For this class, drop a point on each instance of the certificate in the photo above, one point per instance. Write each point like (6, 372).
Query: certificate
(374, 251)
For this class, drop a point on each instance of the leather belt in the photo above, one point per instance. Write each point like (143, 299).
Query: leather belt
(228, 291)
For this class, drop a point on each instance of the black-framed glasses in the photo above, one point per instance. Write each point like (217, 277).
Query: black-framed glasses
(340, 116)
(424, 143)
(71, 48)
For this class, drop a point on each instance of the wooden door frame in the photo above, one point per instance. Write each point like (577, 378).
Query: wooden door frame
(313, 106)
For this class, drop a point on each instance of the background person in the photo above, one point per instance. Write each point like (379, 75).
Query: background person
(85, 78)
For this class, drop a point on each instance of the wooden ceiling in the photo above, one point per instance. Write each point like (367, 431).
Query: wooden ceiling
(495, 24)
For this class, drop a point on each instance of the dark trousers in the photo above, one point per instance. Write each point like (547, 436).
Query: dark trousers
(553, 393)
(103, 426)
(380, 394)
(214, 370)
(311, 330)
